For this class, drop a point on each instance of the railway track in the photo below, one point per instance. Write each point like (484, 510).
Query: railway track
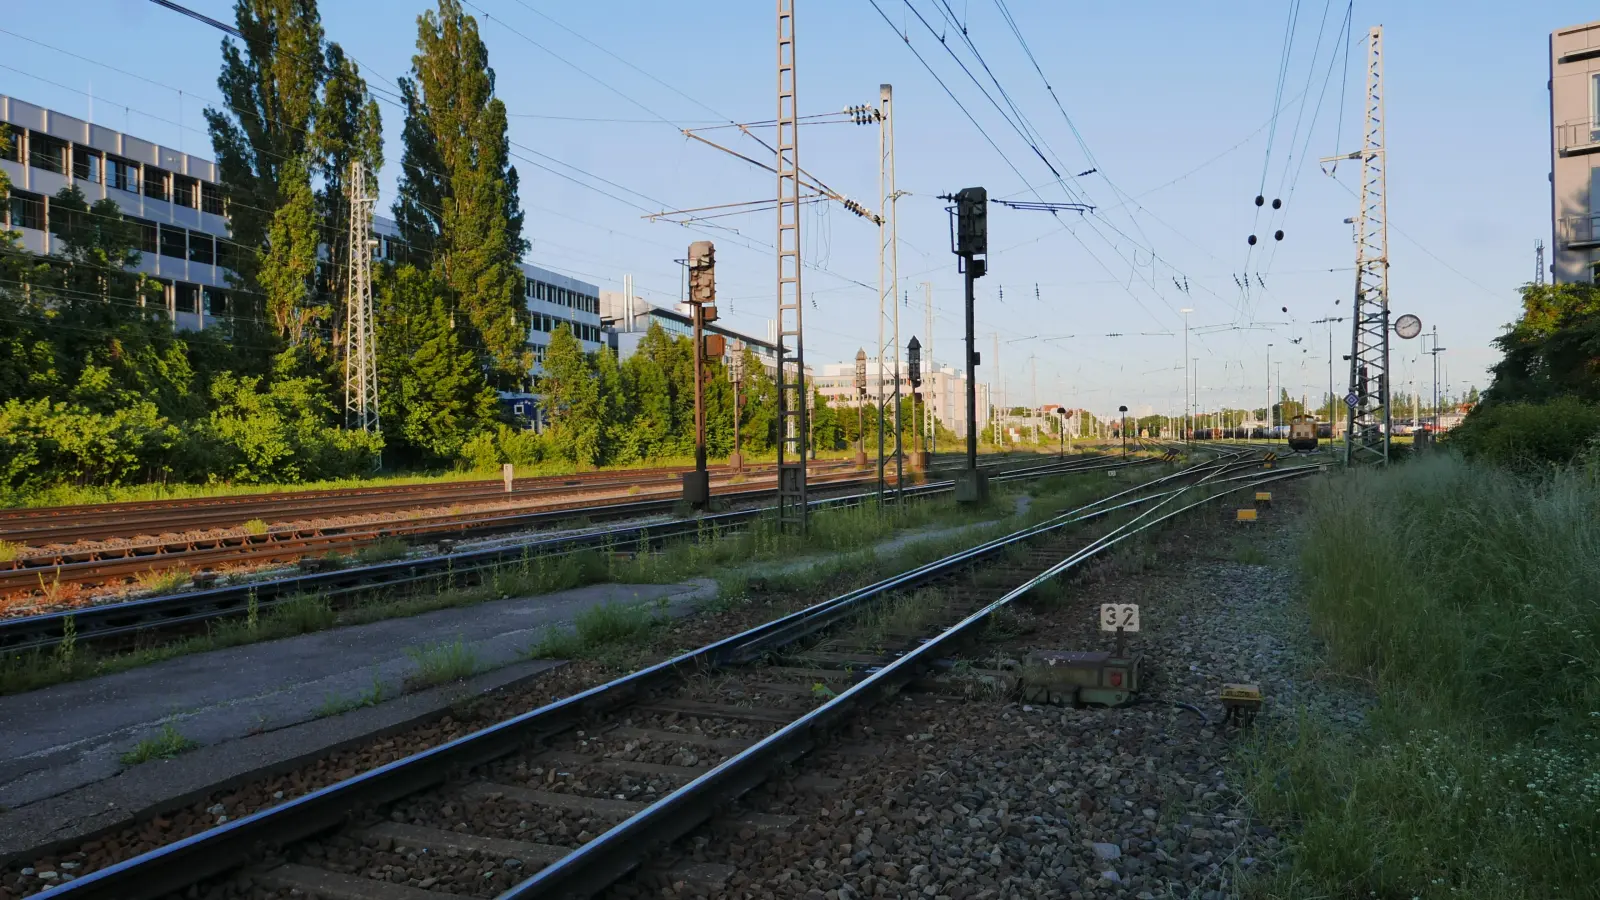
(68, 568)
(566, 799)
(63, 526)
(119, 623)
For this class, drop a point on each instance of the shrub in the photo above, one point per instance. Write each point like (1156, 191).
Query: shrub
(1528, 434)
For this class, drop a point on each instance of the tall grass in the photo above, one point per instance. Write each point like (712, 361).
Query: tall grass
(1468, 597)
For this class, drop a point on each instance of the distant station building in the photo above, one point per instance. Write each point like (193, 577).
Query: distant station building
(944, 391)
(176, 201)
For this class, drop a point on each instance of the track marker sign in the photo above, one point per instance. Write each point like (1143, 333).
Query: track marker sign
(1351, 399)
(1119, 617)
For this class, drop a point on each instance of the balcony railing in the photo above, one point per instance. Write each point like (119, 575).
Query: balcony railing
(1579, 232)
(1576, 138)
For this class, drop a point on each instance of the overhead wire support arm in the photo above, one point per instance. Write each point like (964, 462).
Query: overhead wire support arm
(806, 179)
(1045, 206)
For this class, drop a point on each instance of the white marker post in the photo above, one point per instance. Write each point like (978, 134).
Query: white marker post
(508, 475)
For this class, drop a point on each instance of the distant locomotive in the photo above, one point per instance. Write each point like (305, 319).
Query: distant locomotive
(1303, 433)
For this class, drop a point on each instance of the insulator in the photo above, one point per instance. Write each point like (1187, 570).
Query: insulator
(1252, 240)
(1276, 203)
(1278, 235)
(1260, 200)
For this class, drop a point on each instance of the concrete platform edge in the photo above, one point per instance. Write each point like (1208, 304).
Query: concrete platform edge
(151, 789)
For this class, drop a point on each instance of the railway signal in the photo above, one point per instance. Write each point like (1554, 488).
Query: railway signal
(702, 303)
(970, 241)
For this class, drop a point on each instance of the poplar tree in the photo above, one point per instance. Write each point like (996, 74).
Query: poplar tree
(458, 208)
(264, 143)
(572, 402)
(434, 398)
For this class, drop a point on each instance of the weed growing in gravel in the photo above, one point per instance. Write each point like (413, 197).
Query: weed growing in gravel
(9, 551)
(161, 581)
(336, 705)
(1246, 553)
(1466, 595)
(382, 550)
(166, 745)
(302, 614)
(442, 663)
(255, 527)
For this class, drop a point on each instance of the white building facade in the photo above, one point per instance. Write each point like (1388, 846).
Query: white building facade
(177, 203)
(944, 391)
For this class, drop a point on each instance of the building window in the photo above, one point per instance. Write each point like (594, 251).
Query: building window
(155, 183)
(173, 243)
(147, 234)
(202, 248)
(211, 198)
(229, 254)
(184, 190)
(215, 300)
(47, 153)
(122, 175)
(185, 297)
(27, 210)
(87, 165)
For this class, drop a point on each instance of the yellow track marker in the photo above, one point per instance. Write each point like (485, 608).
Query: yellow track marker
(1245, 515)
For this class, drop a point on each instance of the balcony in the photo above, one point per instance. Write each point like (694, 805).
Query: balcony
(1579, 232)
(1578, 138)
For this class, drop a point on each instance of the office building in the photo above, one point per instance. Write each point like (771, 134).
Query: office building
(1575, 152)
(627, 317)
(177, 203)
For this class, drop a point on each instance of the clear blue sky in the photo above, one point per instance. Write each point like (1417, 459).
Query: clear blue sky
(1174, 100)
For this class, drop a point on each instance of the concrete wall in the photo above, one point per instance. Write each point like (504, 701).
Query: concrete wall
(1574, 152)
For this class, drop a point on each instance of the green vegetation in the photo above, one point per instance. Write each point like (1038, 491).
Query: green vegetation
(9, 551)
(161, 581)
(166, 745)
(442, 663)
(382, 550)
(599, 628)
(1465, 595)
(1543, 407)
(336, 705)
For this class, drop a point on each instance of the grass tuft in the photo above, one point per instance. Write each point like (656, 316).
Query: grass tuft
(10, 551)
(161, 581)
(166, 745)
(442, 663)
(255, 527)
(599, 628)
(382, 550)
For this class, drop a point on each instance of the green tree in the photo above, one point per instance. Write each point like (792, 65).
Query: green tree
(458, 201)
(1550, 351)
(646, 376)
(265, 145)
(573, 407)
(434, 397)
(826, 433)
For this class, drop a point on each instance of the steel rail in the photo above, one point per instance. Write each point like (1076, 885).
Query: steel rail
(595, 865)
(106, 622)
(182, 864)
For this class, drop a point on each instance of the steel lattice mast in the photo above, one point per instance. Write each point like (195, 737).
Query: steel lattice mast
(792, 425)
(888, 288)
(361, 342)
(1367, 437)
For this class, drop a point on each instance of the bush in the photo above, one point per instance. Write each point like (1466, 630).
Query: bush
(490, 449)
(44, 443)
(1528, 434)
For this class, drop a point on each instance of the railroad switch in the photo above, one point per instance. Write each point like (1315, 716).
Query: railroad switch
(1242, 702)
(1064, 676)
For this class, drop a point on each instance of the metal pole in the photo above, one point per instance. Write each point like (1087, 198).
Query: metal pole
(972, 376)
(932, 370)
(792, 420)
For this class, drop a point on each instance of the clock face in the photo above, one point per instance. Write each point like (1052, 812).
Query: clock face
(1408, 326)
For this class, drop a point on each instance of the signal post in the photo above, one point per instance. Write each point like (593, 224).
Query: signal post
(702, 302)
